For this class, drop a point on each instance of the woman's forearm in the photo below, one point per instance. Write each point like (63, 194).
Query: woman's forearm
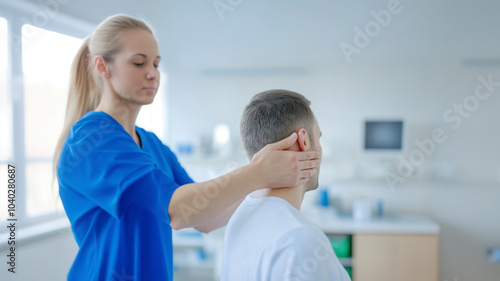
(193, 204)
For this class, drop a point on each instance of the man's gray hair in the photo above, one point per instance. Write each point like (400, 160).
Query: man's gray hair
(272, 116)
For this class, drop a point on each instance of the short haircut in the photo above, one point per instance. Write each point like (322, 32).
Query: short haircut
(272, 116)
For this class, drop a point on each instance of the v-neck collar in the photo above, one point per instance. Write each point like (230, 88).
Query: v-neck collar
(137, 129)
(141, 139)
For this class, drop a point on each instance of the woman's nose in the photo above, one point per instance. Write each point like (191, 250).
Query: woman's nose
(152, 73)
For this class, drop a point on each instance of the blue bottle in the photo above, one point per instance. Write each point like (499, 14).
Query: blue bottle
(324, 202)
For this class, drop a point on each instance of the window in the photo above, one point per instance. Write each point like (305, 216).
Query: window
(36, 53)
(5, 115)
(47, 59)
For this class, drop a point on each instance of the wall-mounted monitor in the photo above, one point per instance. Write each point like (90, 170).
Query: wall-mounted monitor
(383, 135)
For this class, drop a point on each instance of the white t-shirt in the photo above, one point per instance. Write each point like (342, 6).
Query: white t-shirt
(267, 239)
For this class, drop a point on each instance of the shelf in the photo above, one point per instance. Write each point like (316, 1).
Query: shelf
(408, 224)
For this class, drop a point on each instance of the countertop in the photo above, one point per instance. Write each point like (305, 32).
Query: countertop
(330, 222)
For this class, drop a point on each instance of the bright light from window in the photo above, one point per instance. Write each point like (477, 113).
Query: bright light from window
(222, 140)
(48, 55)
(5, 116)
(3, 45)
(5, 105)
(42, 197)
(47, 59)
(221, 134)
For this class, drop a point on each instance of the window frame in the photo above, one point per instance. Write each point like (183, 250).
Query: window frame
(17, 14)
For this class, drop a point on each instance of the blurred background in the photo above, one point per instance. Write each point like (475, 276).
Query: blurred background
(406, 94)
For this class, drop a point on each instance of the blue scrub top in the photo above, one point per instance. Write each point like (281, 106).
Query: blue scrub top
(116, 195)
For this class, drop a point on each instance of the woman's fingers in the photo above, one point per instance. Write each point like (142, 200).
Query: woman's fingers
(307, 173)
(285, 168)
(307, 155)
(284, 143)
(308, 164)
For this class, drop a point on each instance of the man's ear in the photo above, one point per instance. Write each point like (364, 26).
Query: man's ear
(302, 140)
(101, 67)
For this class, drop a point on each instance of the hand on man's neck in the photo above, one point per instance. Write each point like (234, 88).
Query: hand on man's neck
(293, 195)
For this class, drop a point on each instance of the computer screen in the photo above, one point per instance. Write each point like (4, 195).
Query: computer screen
(383, 135)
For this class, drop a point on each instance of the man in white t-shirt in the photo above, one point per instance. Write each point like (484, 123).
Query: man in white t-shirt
(267, 238)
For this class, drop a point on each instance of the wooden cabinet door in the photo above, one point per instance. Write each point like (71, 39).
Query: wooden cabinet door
(382, 257)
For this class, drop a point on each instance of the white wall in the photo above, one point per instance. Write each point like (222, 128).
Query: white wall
(45, 259)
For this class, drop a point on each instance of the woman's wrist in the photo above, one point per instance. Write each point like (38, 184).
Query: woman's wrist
(254, 176)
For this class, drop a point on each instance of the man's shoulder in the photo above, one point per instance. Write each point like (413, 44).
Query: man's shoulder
(275, 215)
(272, 214)
(305, 235)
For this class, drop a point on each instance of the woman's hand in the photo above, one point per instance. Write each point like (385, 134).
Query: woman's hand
(279, 168)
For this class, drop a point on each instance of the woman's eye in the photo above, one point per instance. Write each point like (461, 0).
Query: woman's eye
(155, 65)
(138, 64)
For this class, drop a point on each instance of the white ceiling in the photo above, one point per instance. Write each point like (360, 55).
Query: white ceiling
(306, 34)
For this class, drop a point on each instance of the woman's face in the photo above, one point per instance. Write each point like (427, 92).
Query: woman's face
(133, 71)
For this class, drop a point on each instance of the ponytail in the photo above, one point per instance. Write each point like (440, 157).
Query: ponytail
(83, 97)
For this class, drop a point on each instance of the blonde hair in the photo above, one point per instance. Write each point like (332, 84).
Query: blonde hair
(85, 86)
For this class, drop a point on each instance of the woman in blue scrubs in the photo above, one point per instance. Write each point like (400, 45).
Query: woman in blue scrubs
(122, 188)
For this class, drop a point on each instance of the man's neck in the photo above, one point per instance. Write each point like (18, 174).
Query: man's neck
(293, 195)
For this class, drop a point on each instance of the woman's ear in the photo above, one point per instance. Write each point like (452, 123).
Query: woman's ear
(101, 67)
(302, 140)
